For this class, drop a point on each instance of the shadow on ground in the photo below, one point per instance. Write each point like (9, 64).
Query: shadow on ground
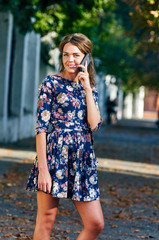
(129, 202)
(134, 141)
(130, 206)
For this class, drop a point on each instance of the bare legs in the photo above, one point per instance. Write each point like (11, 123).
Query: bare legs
(92, 217)
(90, 212)
(47, 210)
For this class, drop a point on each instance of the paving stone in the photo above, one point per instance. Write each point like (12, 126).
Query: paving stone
(129, 199)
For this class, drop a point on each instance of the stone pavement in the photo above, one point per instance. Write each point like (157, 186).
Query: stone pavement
(128, 154)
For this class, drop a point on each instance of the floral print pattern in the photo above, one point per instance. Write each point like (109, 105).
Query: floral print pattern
(70, 155)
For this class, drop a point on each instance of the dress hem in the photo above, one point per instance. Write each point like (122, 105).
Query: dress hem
(69, 198)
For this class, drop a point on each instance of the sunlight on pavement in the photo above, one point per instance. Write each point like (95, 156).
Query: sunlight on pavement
(17, 155)
(20, 156)
(127, 166)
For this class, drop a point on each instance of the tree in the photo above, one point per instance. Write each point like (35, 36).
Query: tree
(124, 33)
(110, 47)
(144, 16)
(45, 15)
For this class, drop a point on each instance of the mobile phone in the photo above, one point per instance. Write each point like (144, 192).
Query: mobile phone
(86, 58)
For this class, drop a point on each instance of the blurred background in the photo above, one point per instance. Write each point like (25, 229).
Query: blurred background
(125, 34)
(125, 37)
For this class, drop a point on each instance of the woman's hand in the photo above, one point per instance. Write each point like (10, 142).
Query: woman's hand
(44, 181)
(83, 77)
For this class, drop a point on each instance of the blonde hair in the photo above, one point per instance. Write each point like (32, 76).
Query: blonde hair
(85, 45)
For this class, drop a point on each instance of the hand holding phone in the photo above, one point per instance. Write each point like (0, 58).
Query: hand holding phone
(86, 58)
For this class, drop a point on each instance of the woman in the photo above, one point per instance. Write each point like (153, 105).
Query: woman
(65, 166)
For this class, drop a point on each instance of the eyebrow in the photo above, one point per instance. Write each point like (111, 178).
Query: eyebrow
(73, 53)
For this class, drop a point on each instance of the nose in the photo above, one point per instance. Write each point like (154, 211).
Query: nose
(70, 58)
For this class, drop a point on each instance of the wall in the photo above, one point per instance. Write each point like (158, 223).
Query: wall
(19, 76)
(134, 104)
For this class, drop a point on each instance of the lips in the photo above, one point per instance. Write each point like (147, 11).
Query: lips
(71, 66)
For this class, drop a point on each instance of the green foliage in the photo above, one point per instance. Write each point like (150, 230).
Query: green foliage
(112, 46)
(23, 11)
(44, 16)
(124, 32)
(145, 18)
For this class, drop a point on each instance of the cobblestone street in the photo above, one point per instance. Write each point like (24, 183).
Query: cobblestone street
(129, 195)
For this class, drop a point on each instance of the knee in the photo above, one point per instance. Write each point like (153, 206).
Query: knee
(46, 221)
(96, 226)
(99, 225)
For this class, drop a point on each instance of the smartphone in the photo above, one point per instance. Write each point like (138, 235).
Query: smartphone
(86, 58)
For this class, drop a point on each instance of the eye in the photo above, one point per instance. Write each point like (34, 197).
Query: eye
(77, 55)
(65, 54)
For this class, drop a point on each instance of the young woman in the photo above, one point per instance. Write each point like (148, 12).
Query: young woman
(65, 165)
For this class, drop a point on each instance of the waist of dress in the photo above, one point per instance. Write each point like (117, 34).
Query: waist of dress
(68, 126)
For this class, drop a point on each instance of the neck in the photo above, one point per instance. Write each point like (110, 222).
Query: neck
(70, 76)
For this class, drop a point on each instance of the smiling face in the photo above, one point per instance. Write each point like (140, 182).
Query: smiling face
(71, 57)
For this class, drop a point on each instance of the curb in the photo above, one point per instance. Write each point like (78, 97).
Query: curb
(20, 156)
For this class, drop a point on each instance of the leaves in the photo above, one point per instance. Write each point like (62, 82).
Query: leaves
(129, 203)
(124, 33)
(145, 20)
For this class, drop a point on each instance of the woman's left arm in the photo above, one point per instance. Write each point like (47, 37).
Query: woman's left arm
(93, 115)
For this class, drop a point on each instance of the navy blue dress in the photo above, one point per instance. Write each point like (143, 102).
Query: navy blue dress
(70, 156)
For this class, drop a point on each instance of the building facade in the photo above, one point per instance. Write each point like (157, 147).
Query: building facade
(19, 78)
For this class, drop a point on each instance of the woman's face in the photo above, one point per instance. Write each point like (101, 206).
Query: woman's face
(71, 57)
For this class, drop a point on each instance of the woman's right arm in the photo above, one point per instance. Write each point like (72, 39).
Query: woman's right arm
(44, 178)
(44, 110)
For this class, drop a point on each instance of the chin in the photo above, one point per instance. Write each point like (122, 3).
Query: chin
(71, 70)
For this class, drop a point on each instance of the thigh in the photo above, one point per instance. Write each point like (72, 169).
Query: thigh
(90, 212)
(46, 203)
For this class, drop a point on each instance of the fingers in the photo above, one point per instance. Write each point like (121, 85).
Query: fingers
(42, 187)
(84, 67)
(48, 187)
(82, 75)
(45, 186)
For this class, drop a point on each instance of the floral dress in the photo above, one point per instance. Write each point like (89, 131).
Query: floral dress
(70, 156)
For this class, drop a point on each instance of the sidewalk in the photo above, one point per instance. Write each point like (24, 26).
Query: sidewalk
(22, 156)
(143, 134)
(148, 124)
(128, 177)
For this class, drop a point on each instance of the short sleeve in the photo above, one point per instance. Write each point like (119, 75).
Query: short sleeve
(95, 96)
(44, 105)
